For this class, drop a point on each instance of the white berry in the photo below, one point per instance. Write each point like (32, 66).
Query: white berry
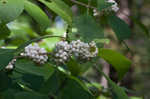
(83, 50)
(62, 52)
(10, 65)
(114, 7)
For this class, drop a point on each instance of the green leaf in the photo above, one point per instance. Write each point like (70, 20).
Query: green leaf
(5, 81)
(60, 8)
(65, 87)
(10, 9)
(6, 55)
(74, 89)
(74, 67)
(27, 95)
(53, 83)
(87, 29)
(85, 66)
(38, 14)
(117, 60)
(28, 66)
(27, 81)
(33, 82)
(9, 93)
(4, 31)
(134, 97)
(120, 28)
(103, 4)
(78, 68)
(105, 41)
(117, 92)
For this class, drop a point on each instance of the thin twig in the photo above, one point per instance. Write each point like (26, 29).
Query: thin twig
(89, 6)
(128, 49)
(83, 4)
(126, 45)
(88, 9)
(67, 33)
(18, 57)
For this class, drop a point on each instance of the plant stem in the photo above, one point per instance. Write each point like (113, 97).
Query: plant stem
(83, 4)
(89, 2)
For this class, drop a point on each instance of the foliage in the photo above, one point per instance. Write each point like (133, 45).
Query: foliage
(51, 80)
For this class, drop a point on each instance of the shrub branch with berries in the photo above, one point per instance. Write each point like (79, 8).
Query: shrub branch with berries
(56, 72)
(62, 53)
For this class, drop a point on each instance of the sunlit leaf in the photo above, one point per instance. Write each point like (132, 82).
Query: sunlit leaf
(117, 60)
(60, 8)
(38, 14)
(10, 9)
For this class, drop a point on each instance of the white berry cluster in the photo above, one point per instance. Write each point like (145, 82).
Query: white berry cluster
(11, 64)
(34, 52)
(62, 52)
(114, 7)
(84, 50)
(79, 49)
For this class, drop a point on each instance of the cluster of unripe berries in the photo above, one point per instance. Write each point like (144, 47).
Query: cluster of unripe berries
(78, 49)
(114, 8)
(62, 52)
(34, 52)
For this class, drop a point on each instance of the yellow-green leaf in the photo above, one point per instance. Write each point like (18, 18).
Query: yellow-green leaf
(60, 8)
(38, 14)
(10, 9)
(117, 60)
